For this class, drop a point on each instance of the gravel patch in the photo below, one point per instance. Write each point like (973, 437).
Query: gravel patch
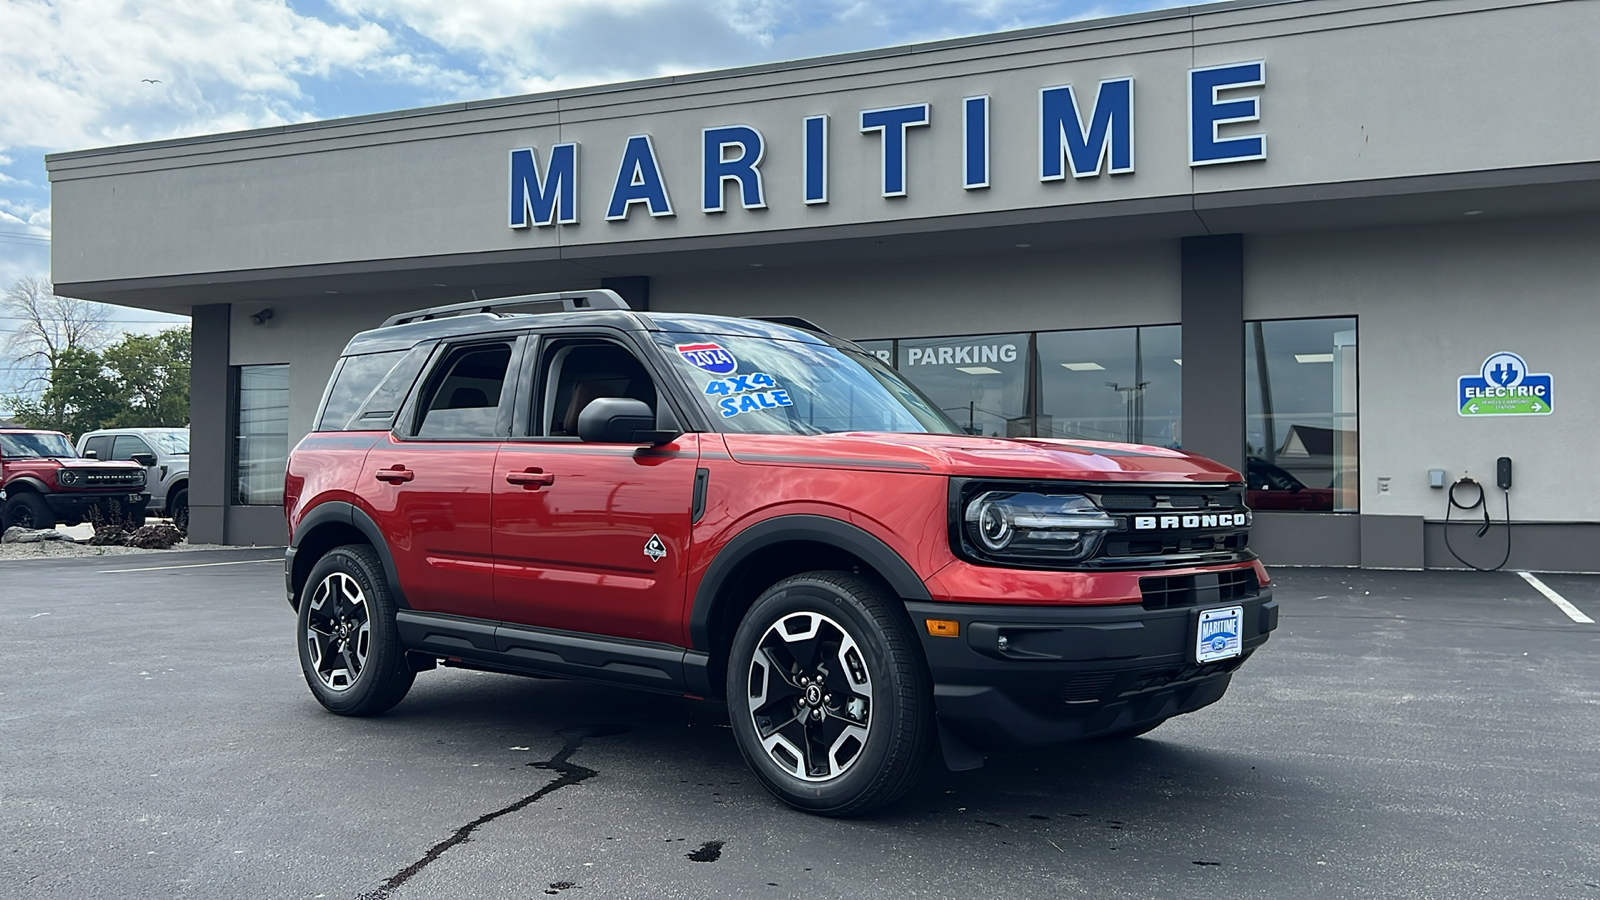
(58, 549)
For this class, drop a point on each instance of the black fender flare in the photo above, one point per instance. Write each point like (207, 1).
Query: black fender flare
(902, 579)
(344, 513)
(32, 483)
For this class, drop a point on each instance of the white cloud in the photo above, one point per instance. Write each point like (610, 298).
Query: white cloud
(75, 70)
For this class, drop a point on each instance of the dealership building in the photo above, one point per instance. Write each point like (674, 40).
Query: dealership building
(1350, 247)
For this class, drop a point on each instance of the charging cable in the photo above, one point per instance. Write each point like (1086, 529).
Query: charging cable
(1480, 502)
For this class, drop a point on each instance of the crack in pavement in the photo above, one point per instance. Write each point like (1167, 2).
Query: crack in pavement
(569, 773)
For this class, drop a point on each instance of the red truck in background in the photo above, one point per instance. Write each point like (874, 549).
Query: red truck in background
(44, 482)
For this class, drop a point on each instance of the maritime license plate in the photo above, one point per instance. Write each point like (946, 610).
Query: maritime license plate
(1220, 634)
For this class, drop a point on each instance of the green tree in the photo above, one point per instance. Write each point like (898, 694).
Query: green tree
(141, 381)
(80, 397)
(152, 373)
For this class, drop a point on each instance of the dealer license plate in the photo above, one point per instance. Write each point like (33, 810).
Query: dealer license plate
(1219, 635)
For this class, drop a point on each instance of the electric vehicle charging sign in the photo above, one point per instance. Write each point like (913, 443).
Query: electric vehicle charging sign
(1505, 387)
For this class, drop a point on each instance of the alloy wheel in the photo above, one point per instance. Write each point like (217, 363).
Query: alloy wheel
(338, 631)
(810, 696)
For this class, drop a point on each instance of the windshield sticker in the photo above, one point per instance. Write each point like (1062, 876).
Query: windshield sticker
(743, 403)
(741, 384)
(708, 357)
(747, 393)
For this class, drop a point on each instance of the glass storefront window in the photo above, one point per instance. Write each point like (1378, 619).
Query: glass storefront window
(980, 381)
(261, 435)
(1301, 432)
(883, 350)
(1112, 384)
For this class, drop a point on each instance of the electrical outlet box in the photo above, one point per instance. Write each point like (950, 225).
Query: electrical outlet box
(1436, 478)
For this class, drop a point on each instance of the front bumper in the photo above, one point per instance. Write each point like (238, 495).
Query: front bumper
(1073, 672)
(72, 506)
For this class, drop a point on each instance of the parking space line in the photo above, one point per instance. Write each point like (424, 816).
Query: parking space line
(235, 562)
(1573, 613)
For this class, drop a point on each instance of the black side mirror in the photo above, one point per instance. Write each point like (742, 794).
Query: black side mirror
(144, 459)
(621, 420)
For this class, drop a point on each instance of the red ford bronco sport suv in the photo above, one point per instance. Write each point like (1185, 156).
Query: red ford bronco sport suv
(44, 481)
(753, 511)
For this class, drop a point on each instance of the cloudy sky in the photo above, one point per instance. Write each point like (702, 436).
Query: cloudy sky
(92, 73)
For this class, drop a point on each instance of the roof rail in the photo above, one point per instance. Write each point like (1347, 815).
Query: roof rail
(570, 301)
(792, 322)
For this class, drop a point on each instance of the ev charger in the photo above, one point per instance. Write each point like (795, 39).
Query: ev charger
(1502, 477)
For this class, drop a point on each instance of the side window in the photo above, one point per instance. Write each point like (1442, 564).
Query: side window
(462, 398)
(357, 379)
(101, 446)
(573, 373)
(126, 446)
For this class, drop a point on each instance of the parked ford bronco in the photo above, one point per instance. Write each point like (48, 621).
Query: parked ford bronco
(44, 482)
(756, 512)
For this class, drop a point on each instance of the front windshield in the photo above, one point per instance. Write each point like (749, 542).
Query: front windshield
(174, 442)
(766, 386)
(35, 445)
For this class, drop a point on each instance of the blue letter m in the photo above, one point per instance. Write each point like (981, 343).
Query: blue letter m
(1063, 141)
(546, 199)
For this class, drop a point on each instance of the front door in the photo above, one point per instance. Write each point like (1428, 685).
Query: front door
(591, 537)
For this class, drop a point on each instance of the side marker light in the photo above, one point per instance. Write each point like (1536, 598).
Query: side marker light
(944, 627)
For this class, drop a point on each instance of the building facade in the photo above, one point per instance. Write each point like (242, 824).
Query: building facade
(1336, 244)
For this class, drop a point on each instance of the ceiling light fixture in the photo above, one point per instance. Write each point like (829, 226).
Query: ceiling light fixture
(1084, 367)
(1313, 357)
(978, 370)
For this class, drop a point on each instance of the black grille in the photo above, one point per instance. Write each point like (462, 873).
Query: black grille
(1203, 588)
(110, 478)
(1086, 688)
(1188, 527)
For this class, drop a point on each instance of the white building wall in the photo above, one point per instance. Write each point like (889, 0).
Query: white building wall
(1432, 304)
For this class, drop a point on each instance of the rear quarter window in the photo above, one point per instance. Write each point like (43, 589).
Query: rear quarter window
(368, 390)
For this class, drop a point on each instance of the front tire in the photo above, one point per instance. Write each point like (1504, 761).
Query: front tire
(25, 509)
(828, 695)
(349, 643)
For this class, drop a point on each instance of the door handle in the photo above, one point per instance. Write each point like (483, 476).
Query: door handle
(395, 474)
(532, 478)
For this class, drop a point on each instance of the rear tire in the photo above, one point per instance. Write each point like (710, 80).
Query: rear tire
(25, 509)
(349, 643)
(828, 695)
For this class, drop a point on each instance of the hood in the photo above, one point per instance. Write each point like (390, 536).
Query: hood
(80, 463)
(962, 455)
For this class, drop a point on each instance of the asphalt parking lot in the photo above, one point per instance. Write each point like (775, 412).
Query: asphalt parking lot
(1403, 735)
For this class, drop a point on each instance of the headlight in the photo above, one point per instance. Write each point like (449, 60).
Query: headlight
(67, 477)
(1047, 528)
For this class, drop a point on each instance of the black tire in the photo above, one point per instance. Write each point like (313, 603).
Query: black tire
(855, 774)
(25, 509)
(1132, 731)
(346, 584)
(178, 510)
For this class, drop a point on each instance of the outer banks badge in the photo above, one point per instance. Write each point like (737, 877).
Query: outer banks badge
(654, 548)
(709, 357)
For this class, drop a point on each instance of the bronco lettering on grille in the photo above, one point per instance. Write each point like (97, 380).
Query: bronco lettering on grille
(1208, 520)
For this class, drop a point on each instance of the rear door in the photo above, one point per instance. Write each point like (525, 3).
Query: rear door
(591, 537)
(428, 483)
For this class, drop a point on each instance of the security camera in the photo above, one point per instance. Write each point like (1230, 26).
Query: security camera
(261, 317)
